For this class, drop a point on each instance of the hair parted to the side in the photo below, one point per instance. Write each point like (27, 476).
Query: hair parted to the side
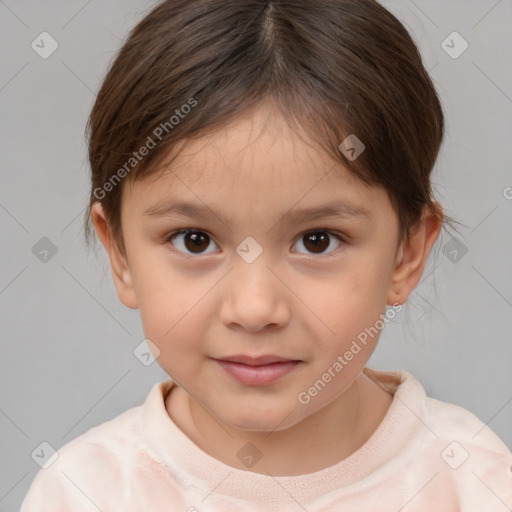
(331, 67)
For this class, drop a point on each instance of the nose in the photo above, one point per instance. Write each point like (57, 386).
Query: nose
(254, 297)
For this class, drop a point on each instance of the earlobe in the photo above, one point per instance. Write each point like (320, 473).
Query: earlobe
(121, 273)
(412, 257)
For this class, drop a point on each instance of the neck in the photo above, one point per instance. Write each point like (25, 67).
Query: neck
(319, 441)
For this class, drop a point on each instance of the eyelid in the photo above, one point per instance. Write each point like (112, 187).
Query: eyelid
(325, 230)
(186, 230)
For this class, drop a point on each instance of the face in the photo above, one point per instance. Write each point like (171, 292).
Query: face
(256, 272)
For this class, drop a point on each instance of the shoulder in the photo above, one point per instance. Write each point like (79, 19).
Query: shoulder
(445, 421)
(469, 454)
(451, 421)
(448, 449)
(90, 468)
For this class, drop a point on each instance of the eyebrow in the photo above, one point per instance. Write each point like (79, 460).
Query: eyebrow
(203, 213)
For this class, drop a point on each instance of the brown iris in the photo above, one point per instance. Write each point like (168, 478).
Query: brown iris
(196, 241)
(319, 241)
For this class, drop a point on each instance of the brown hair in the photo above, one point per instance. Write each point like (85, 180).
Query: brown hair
(332, 68)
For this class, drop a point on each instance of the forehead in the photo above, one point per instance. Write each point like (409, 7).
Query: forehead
(256, 163)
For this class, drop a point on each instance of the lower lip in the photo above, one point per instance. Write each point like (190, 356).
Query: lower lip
(258, 375)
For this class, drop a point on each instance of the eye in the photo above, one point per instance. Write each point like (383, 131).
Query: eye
(196, 241)
(193, 240)
(318, 241)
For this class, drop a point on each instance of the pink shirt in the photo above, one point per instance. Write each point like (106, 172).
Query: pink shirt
(426, 455)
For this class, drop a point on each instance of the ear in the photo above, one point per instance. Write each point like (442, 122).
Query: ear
(412, 257)
(121, 273)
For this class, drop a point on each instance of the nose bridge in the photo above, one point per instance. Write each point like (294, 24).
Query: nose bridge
(252, 272)
(255, 273)
(253, 296)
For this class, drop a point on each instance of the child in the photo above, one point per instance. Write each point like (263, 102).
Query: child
(227, 135)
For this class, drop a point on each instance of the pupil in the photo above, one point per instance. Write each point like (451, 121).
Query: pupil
(197, 240)
(319, 240)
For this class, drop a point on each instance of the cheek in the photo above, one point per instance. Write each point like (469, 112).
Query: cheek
(175, 311)
(348, 301)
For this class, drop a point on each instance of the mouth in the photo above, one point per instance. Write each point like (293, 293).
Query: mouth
(258, 371)
(262, 360)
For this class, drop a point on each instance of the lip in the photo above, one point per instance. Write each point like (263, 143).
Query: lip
(257, 375)
(255, 361)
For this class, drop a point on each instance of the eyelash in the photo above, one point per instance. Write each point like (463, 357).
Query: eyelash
(170, 237)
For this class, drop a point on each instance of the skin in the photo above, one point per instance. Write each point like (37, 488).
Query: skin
(208, 302)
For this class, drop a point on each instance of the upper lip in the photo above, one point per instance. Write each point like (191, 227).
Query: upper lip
(256, 361)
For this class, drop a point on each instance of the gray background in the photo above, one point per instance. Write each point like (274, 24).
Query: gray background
(67, 341)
